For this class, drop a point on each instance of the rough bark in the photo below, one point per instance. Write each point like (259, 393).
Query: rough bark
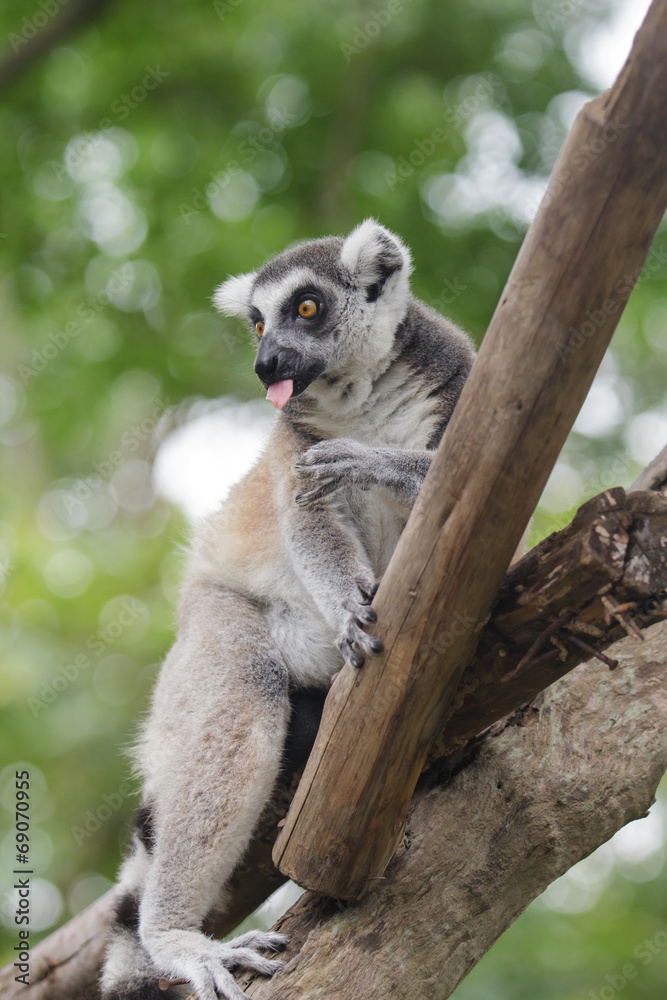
(599, 550)
(654, 476)
(544, 790)
(548, 335)
(611, 555)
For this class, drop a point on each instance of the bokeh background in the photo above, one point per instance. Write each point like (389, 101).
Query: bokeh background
(149, 150)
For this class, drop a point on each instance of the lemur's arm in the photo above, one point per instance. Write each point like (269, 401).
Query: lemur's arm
(335, 569)
(333, 464)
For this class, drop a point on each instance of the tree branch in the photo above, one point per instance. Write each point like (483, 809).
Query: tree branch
(654, 476)
(611, 555)
(46, 39)
(544, 790)
(600, 550)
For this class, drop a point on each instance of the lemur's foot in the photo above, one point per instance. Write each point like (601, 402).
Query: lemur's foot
(208, 971)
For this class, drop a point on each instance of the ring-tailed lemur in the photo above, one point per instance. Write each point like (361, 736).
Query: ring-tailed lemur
(280, 582)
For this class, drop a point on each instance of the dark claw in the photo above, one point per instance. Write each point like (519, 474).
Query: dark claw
(366, 616)
(369, 594)
(356, 659)
(377, 644)
(363, 618)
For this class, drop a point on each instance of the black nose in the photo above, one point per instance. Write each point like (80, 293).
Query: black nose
(266, 364)
(274, 363)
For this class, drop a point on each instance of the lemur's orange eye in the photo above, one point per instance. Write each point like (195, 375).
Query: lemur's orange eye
(307, 308)
(259, 327)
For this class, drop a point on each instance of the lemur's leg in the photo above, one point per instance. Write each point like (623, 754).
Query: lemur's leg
(333, 464)
(330, 560)
(128, 970)
(210, 753)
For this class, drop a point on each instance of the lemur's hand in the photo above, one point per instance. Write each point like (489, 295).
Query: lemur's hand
(330, 465)
(354, 643)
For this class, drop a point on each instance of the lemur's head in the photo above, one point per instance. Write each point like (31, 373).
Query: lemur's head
(323, 310)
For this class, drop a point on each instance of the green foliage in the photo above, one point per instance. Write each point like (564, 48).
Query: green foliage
(146, 157)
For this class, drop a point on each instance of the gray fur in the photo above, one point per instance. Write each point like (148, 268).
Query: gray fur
(279, 587)
(322, 257)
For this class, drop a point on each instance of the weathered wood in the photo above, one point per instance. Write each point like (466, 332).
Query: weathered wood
(542, 793)
(612, 552)
(564, 297)
(654, 476)
(603, 547)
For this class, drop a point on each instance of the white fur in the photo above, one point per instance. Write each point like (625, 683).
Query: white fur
(269, 298)
(361, 248)
(393, 411)
(362, 254)
(303, 637)
(232, 297)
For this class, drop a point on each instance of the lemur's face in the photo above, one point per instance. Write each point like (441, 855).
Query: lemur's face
(322, 310)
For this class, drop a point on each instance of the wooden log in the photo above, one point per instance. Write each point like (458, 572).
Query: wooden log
(541, 793)
(611, 555)
(654, 476)
(564, 297)
(606, 536)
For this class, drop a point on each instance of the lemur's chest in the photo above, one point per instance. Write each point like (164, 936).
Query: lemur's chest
(409, 423)
(401, 411)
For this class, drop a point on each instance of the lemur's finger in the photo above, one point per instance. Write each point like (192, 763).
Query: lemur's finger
(356, 641)
(318, 493)
(271, 940)
(363, 614)
(368, 591)
(226, 987)
(368, 643)
(356, 659)
(209, 985)
(323, 451)
(320, 471)
(350, 654)
(367, 615)
(372, 643)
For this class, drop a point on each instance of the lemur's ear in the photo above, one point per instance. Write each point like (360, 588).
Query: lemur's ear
(232, 297)
(373, 256)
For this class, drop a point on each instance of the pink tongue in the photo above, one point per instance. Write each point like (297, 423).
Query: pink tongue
(280, 392)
